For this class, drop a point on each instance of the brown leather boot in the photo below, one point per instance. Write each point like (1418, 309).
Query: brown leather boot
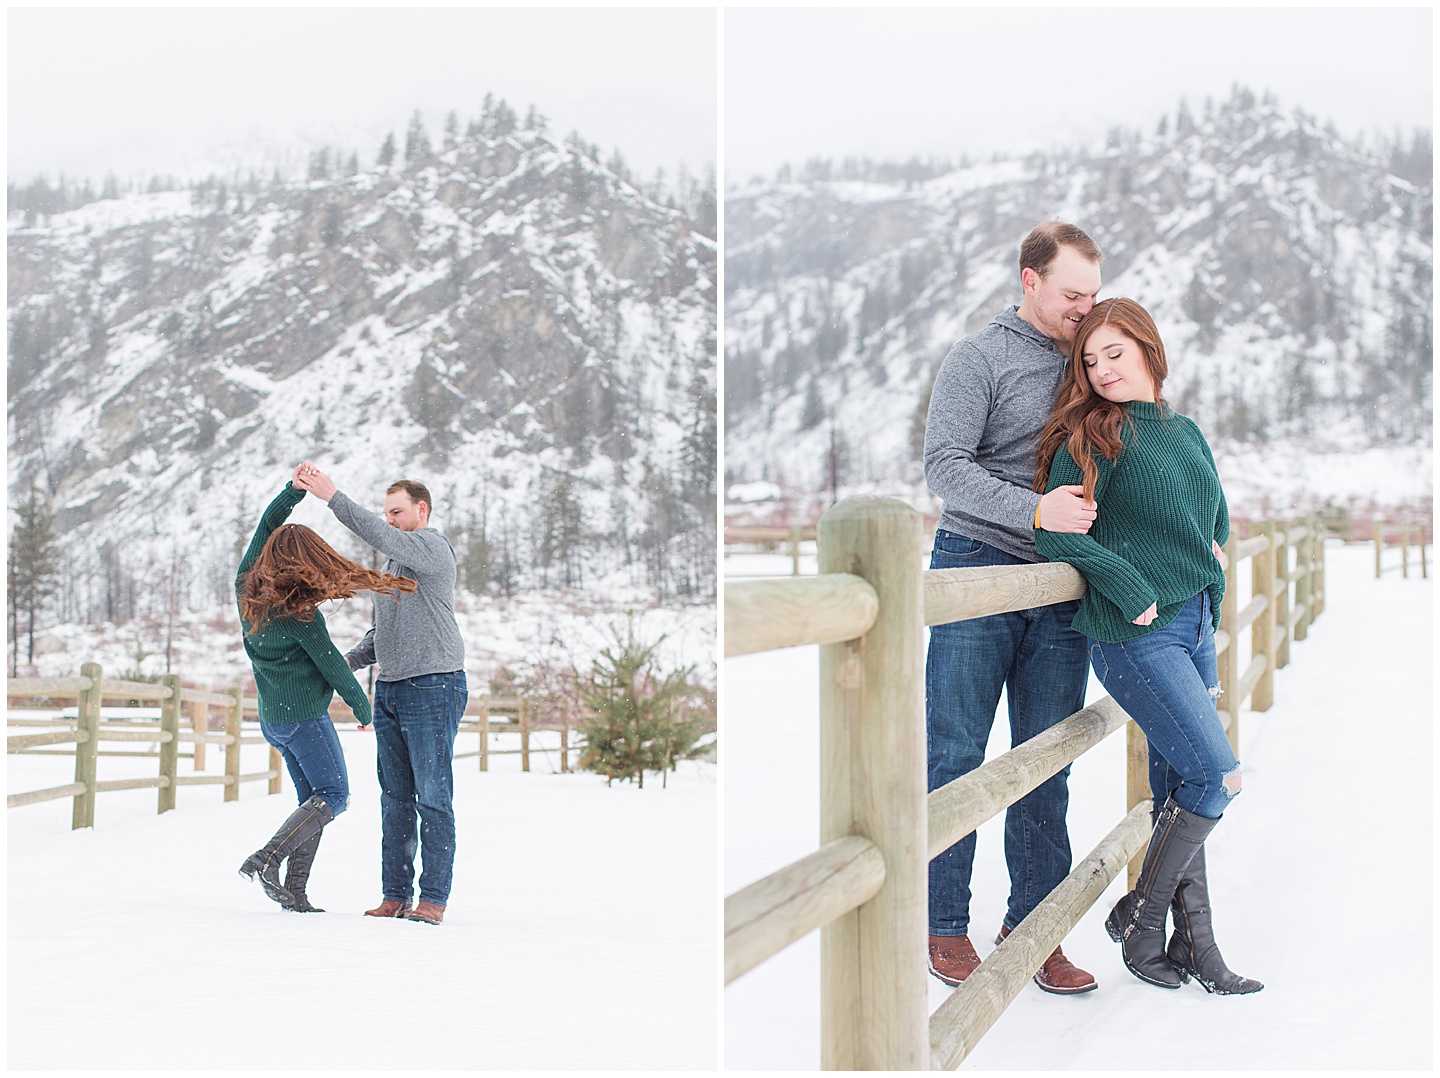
(428, 912)
(952, 958)
(1059, 975)
(391, 907)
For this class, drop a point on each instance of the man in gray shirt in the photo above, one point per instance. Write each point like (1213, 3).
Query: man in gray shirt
(994, 392)
(420, 692)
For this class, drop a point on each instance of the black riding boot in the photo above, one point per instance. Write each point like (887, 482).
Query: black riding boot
(304, 824)
(1137, 922)
(297, 874)
(1192, 945)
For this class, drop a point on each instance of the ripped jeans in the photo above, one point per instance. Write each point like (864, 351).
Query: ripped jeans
(1166, 681)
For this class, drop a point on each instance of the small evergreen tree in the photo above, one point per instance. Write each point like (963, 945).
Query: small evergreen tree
(637, 719)
(34, 569)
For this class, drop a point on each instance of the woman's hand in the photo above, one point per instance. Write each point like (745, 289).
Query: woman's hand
(1065, 509)
(309, 478)
(1220, 554)
(1147, 617)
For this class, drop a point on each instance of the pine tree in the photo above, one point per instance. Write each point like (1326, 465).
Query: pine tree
(34, 569)
(477, 567)
(387, 151)
(637, 719)
(417, 142)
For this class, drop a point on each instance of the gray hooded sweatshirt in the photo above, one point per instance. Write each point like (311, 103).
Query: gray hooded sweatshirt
(994, 392)
(417, 635)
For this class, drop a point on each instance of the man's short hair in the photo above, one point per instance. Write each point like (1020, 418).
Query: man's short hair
(1043, 244)
(417, 491)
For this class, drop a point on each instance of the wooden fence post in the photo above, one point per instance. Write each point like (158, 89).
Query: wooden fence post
(1379, 543)
(1424, 568)
(232, 748)
(564, 737)
(1405, 551)
(200, 722)
(277, 765)
(524, 734)
(1137, 786)
(1302, 582)
(1262, 629)
(1229, 659)
(482, 719)
(87, 720)
(794, 549)
(1282, 595)
(169, 750)
(873, 1006)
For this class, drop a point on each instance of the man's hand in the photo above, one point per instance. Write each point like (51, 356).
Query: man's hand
(1147, 617)
(310, 478)
(1065, 509)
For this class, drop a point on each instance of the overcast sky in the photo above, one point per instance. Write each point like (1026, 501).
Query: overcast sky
(155, 90)
(889, 84)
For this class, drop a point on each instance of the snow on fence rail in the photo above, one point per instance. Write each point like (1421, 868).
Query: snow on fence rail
(866, 887)
(85, 732)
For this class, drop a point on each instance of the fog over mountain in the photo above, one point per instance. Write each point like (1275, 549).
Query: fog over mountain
(504, 316)
(1290, 273)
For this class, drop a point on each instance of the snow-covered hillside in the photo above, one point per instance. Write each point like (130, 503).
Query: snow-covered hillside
(1290, 274)
(508, 320)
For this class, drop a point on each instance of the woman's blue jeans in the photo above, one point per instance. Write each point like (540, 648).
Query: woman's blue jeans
(312, 755)
(416, 721)
(1039, 660)
(1167, 682)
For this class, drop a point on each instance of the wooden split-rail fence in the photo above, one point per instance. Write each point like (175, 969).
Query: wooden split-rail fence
(82, 735)
(1404, 536)
(795, 534)
(866, 887)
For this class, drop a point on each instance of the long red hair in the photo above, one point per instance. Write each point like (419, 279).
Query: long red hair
(297, 570)
(1083, 420)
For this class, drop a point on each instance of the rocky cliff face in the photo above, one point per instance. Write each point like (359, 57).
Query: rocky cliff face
(507, 320)
(1290, 274)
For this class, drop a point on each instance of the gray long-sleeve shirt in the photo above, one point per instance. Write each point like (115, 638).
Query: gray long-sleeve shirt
(417, 635)
(994, 392)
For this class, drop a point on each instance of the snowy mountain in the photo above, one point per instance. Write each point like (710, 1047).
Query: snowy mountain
(1290, 274)
(508, 320)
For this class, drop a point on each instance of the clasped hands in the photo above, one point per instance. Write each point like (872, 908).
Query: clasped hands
(312, 480)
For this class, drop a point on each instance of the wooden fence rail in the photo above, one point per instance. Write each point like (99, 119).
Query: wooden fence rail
(86, 731)
(865, 888)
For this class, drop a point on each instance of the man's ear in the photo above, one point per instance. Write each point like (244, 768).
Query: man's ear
(1029, 279)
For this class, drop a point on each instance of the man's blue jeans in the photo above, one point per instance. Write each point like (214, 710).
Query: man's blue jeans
(1167, 682)
(1040, 662)
(416, 721)
(313, 756)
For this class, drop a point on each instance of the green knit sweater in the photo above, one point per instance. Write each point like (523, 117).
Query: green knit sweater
(1160, 507)
(297, 669)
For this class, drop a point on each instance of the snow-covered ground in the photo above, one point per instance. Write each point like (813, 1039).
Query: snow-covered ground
(1321, 874)
(580, 934)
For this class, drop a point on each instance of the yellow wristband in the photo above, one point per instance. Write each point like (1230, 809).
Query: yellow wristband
(1037, 516)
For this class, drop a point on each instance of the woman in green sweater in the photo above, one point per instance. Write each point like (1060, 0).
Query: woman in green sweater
(286, 572)
(1151, 563)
